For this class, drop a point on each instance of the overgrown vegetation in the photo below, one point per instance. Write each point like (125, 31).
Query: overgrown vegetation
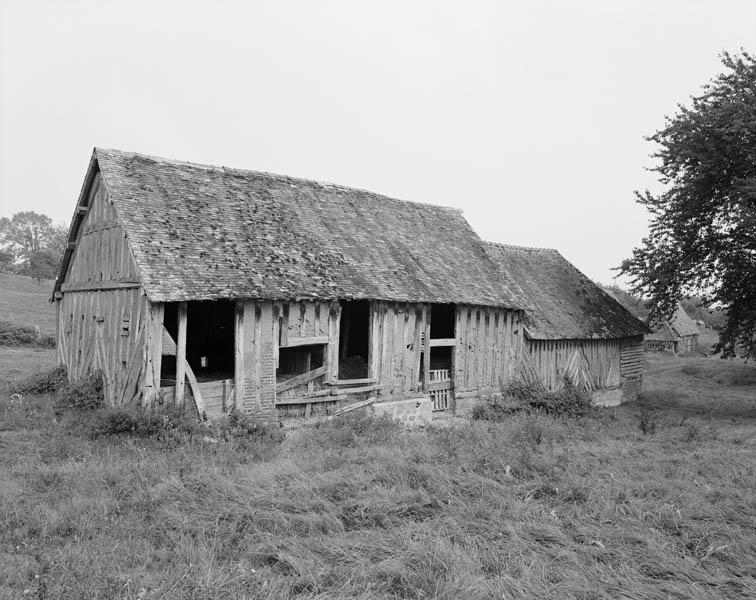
(48, 381)
(518, 397)
(20, 335)
(533, 506)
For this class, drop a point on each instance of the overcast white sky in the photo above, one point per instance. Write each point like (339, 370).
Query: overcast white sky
(529, 116)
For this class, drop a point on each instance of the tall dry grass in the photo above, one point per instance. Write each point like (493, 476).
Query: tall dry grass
(532, 507)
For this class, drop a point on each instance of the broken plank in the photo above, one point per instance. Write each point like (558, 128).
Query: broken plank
(300, 379)
(351, 407)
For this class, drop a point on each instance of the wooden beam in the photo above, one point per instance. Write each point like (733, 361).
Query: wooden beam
(198, 403)
(239, 355)
(358, 390)
(82, 210)
(300, 380)
(70, 245)
(304, 341)
(443, 342)
(308, 400)
(353, 381)
(90, 286)
(351, 407)
(181, 354)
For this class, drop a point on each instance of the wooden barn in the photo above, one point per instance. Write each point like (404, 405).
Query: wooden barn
(573, 327)
(217, 288)
(676, 335)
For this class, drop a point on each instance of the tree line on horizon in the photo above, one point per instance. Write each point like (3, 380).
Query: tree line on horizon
(31, 244)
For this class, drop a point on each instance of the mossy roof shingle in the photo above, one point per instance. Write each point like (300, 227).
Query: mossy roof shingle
(203, 232)
(564, 303)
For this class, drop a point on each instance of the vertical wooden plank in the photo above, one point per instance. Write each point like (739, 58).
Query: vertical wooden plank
(334, 323)
(408, 347)
(154, 351)
(385, 362)
(309, 328)
(258, 352)
(239, 341)
(276, 323)
(416, 342)
(58, 346)
(459, 351)
(396, 351)
(181, 311)
(374, 368)
(426, 362)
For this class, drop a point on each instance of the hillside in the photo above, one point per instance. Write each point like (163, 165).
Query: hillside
(23, 301)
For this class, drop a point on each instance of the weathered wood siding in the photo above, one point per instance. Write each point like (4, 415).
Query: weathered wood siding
(102, 255)
(551, 359)
(105, 331)
(487, 345)
(631, 367)
(397, 331)
(102, 311)
(489, 342)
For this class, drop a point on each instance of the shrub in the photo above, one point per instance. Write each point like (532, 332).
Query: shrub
(244, 431)
(355, 429)
(568, 401)
(45, 382)
(19, 335)
(142, 423)
(84, 394)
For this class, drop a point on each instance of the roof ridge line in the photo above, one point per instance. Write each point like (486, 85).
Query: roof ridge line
(516, 247)
(278, 176)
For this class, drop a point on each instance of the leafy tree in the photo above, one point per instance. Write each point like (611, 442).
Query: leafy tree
(32, 244)
(6, 260)
(702, 235)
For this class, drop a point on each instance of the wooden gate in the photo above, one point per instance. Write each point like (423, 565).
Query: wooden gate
(440, 389)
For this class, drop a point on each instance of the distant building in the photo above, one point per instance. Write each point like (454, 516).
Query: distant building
(677, 335)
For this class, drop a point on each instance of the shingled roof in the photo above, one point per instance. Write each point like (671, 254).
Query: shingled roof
(683, 324)
(204, 232)
(680, 325)
(565, 304)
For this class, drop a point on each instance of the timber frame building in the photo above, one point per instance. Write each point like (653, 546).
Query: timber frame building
(573, 327)
(219, 289)
(676, 335)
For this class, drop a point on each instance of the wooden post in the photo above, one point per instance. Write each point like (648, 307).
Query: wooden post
(426, 362)
(334, 318)
(58, 334)
(239, 355)
(181, 354)
(154, 350)
(310, 384)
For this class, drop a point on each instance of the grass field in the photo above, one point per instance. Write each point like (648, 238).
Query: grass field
(23, 301)
(652, 500)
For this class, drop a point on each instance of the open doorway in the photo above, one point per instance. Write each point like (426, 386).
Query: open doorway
(443, 317)
(354, 339)
(440, 355)
(209, 340)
